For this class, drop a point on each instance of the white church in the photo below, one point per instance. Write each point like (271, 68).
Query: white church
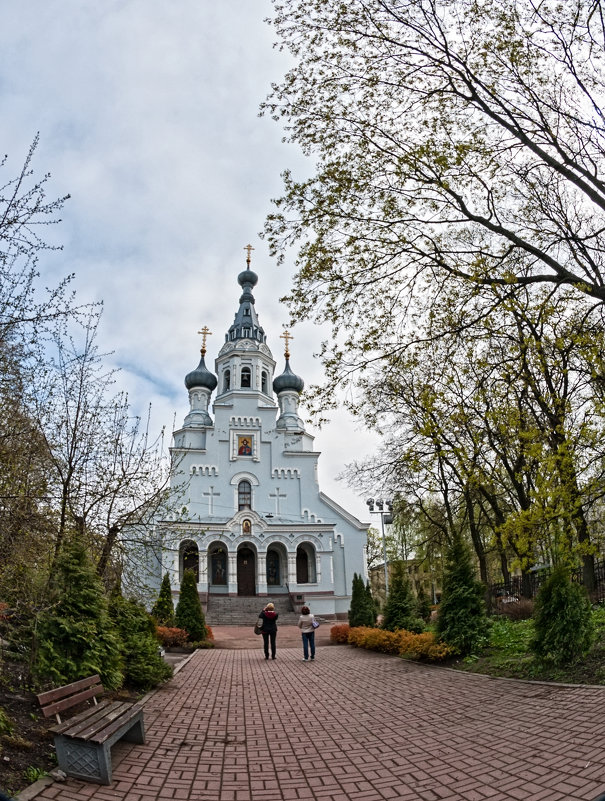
(253, 520)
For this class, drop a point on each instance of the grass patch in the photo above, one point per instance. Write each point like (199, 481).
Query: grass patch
(508, 655)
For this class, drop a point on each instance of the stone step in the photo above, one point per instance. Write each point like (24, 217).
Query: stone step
(243, 610)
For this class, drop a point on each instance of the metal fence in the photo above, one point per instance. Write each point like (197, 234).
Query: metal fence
(530, 584)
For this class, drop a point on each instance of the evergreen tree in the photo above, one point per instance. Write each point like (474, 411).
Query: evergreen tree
(423, 604)
(143, 665)
(360, 613)
(562, 619)
(163, 609)
(462, 621)
(76, 637)
(400, 607)
(189, 614)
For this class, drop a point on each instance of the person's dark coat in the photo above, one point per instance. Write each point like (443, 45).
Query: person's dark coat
(269, 618)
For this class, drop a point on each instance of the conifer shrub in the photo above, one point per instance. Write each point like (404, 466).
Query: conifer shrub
(144, 668)
(163, 609)
(400, 610)
(562, 619)
(76, 636)
(462, 621)
(362, 611)
(189, 614)
(171, 637)
(423, 605)
(340, 633)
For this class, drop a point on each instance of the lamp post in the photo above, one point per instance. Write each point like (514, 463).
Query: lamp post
(385, 517)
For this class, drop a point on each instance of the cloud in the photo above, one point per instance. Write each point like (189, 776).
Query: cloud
(148, 115)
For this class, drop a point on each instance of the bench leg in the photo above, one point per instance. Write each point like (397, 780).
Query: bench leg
(82, 760)
(136, 733)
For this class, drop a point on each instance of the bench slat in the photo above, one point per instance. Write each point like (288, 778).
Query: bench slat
(70, 689)
(98, 727)
(134, 711)
(87, 715)
(92, 732)
(74, 700)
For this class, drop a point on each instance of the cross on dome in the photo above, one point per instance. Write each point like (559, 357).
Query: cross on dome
(249, 248)
(287, 336)
(205, 332)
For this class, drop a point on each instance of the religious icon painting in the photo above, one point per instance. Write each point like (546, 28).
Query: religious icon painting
(246, 527)
(245, 444)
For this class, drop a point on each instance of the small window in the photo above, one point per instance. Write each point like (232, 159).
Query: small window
(246, 377)
(227, 381)
(244, 495)
(246, 312)
(265, 383)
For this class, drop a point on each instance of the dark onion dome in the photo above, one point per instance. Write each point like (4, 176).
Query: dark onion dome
(201, 377)
(288, 380)
(247, 279)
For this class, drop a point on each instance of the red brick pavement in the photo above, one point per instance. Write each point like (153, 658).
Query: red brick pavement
(354, 726)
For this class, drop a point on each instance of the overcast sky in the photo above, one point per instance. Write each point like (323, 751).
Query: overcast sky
(148, 117)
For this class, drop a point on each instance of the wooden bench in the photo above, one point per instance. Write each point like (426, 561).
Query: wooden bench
(83, 742)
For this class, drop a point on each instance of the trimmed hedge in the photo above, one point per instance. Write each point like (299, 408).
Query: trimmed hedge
(171, 637)
(340, 633)
(400, 643)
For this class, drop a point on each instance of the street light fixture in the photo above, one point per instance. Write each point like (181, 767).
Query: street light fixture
(386, 516)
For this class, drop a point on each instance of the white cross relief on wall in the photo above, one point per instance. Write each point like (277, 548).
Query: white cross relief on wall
(211, 494)
(278, 497)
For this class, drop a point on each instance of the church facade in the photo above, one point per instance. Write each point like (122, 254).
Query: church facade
(252, 520)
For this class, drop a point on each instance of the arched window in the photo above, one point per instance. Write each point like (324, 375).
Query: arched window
(265, 383)
(273, 568)
(305, 564)
(218, 565)
(246, 377)
(227, 381)
(190, 559)
(244, 495)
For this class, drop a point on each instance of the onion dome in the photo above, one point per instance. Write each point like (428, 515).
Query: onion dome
(247, 280)
(201, 377)
(288, 381)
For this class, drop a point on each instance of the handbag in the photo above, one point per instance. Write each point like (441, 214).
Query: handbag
(258, 626)
(315, 623)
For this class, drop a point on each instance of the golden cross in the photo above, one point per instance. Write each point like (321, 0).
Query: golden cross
(249, 248)
(204, 332)
(287, 336)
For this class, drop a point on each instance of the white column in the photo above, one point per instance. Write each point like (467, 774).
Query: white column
(203, 562)
(292, 568)
(261, 573)
(232, 572)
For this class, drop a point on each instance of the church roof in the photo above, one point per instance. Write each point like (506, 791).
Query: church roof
(246, 324)
(288, 380)
(201, 377)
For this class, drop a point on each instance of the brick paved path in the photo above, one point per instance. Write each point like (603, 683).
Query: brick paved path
(354, 726)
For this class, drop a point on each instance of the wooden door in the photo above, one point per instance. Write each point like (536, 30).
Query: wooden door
(246, 573)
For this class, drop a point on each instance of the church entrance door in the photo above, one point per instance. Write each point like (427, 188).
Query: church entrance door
(246, 572)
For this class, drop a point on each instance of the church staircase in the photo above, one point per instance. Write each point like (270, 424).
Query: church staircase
(243, 610)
